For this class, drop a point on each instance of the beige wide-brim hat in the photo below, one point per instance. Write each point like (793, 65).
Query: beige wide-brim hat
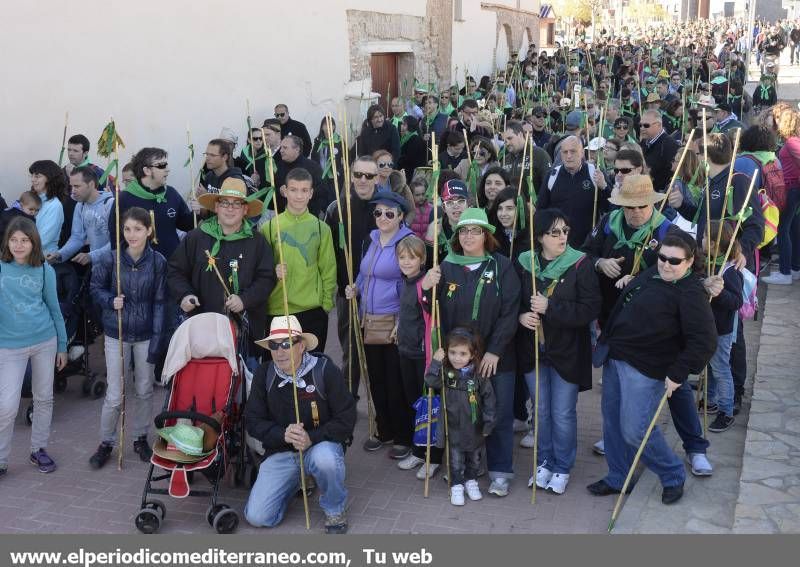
(636, 191)
(284, 327)
(232, 188)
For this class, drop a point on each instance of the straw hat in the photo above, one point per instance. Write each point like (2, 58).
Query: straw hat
(636, 191)
(280, 327)
(653, 97)
(232, 188)
(596, 144)
(708, 101)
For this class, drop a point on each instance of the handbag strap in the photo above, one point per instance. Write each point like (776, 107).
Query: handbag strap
(368, 277)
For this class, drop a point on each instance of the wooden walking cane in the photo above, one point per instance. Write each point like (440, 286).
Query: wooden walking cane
(704, 376)
(285, 295)
(599, 164)
(190, 164)
(636, 461)
(519, 193)
(535, 363)
(63, 140)
(118, 269)
(725, 199)
(739, 219)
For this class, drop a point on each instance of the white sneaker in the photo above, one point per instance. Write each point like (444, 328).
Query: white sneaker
(75, 352)
(432, 468)
(521, 426)
(457, 495)
(700, 464)
(796, 274)
(599, 448)
(499, 487)
(473, 490)
(543, 476)
(777, 278)
(558, 483)
(410, 462)
(527, 441)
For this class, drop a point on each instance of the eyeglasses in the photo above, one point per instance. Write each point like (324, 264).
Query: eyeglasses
(159, 165)
(388, 213)
(481, 153)
(671, 261)
(623, 170)
(557, 232)
(647, 124)
(280, 114)
(470, 231)
(382, 164)
(455, 203)
(285, 344)
(639, 207)
(621, 127)
(259, 139)
(225, 204)
(362, 175)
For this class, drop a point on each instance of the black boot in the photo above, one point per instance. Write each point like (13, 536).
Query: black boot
(101, 456)
(141, 448)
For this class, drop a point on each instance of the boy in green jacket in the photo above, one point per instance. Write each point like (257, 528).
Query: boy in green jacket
(309, 265)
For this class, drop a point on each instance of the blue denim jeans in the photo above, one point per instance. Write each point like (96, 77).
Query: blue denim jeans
(279, 479)
(629, 401)
(500, 444)
(558, 419)
(683, 408)
(789, 234)
(720, 383)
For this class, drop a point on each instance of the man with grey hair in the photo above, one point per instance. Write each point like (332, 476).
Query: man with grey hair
(659, 148)
(571, 188)
(290, 126)
(293, 155)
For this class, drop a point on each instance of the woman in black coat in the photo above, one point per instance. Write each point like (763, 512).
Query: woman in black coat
(413, 152)
(566, 301)
(377, 133)
(320, 153)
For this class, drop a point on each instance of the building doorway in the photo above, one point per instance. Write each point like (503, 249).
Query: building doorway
(384, 77)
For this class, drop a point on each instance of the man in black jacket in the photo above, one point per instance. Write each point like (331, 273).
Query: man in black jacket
(659, 148)
(360, 223)
(241, 255)
(292, 127)
(293, 154)
(327, 419)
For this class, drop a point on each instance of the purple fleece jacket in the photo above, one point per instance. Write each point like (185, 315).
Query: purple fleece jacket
(379, 278)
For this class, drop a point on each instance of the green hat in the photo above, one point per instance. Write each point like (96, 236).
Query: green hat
(187, 439)
(719, 80)
(474, 217)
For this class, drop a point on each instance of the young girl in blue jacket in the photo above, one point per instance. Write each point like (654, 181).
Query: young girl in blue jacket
(142, 303)
(31, 329)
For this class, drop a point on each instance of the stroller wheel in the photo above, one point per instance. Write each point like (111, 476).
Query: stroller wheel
(212, 511)
(29, 414)
(60, 384)
(226, 521)
(158, 506)
(148, 521)
(99, 389)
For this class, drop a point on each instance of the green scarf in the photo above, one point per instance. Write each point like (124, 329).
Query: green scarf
(764, 157)
(251, 161)
(212, 228)
(764, 90)
(615, 220)
(84, 163)
(555, 269)
(460, 260)
(406, 137)
(135, 189)
(328, 173)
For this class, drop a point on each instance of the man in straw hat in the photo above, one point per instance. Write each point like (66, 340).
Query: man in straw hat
(224, 248)
(613, 247)
(327, 419)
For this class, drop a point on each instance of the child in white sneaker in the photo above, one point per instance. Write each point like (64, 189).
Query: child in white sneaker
(470, 405)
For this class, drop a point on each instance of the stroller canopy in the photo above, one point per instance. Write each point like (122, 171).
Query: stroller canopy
(201, 336)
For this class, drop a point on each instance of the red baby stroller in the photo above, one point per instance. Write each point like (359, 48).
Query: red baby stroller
(206, 391)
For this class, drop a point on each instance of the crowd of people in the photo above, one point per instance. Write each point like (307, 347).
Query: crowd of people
(608, 204)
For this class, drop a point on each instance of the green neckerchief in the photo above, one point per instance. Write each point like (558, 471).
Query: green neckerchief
(406, 137)
(555, 269)
(449, 109)
(135, 189)
(764, 90)
(251, 161)
(763, 157)
(688, 273)
(615, 220)
(84, 163)
(328, 172)
(473, 178)
(212, 228)
(397, 120)
(460, 260)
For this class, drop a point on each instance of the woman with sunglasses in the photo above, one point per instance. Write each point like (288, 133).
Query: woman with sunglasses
(484, 156)
(627, 162)
(478, 288)
(660, 330)
(385, 167)
(566, 301)
(321, 154)
(378, 285)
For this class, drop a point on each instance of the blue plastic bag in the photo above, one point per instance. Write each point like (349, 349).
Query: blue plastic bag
(421, 420)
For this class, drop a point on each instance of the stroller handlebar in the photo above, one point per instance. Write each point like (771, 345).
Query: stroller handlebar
(161, 418)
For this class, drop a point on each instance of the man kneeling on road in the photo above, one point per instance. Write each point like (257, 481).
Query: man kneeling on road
(327, 419)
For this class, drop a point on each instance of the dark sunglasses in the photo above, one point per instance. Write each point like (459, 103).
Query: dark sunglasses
(639, 207)
(378, 213)
(382, 164)
(257, 139)
(646, 124)
(621, 127)
(362, 175)
(557, 232)
(159, 165)
(280, 114)
(671, 261)
(623, 170)
(285, 344)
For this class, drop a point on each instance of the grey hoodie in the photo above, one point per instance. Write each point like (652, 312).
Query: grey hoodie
(89, 223)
